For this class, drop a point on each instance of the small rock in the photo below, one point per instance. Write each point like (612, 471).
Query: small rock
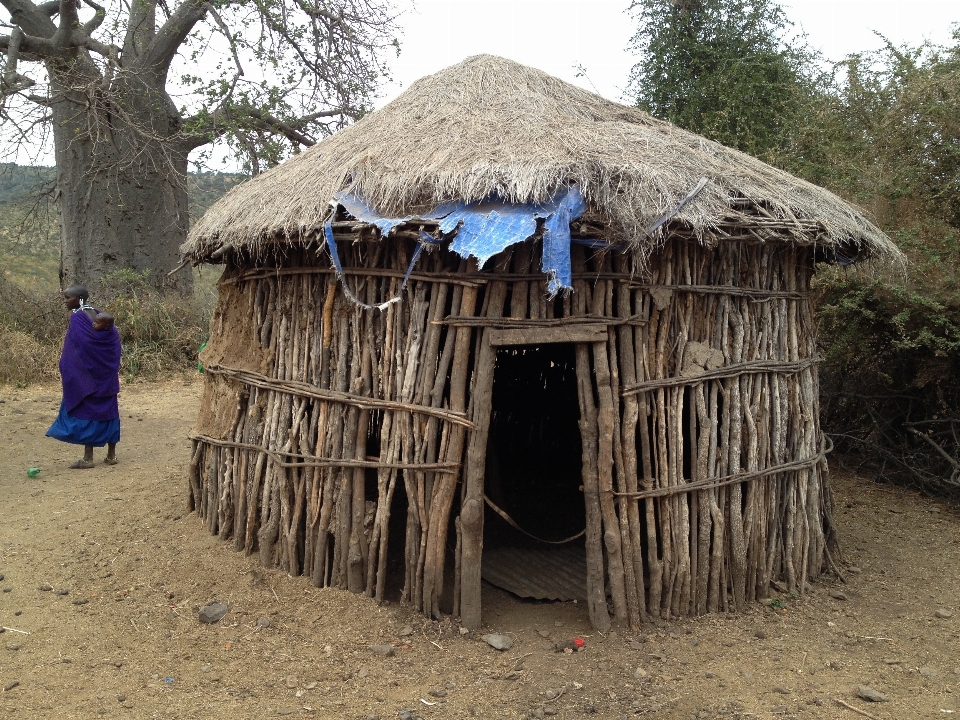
(384, 650)
(943, 613)
(760, 635)
(263, 622)
(8, 589)
(437, 693)
(779, 709)
(11, 685)
(121, 698)
(80, 602)
(854, 570)
(837, 595)
(1, 574)
(291, 681)
(871, 695)
(781, 689)
(498, 642)
(640, 673)
(13, 646)
(550, 710)
(547, 645)
(405, 631)
(212, 612)
(541, 633)
(709, 675)
(928, 672)
(637, 644)
(45, 588)
(405, 715)
(206, 668)
(363, 673)
(61, 593)
(464, 631)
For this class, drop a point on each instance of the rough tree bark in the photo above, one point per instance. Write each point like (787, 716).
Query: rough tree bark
(122, 196)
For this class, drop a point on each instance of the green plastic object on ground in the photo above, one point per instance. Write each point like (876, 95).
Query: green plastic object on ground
(33, 472)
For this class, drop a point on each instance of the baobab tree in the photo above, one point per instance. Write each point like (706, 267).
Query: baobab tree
(126, 91)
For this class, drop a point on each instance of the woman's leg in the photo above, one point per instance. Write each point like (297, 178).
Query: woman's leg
(87, 461)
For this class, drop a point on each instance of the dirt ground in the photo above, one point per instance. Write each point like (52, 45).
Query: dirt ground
(104, 571)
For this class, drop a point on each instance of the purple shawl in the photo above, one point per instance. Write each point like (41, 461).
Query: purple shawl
(89, 367)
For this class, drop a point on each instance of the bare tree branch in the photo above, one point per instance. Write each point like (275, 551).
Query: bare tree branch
(12, 81)
(97, 20)
(930, 441)
(161, 51)
(31, 18)
(266, 121)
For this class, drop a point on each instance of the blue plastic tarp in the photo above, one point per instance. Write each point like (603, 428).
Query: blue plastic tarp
(484, 229)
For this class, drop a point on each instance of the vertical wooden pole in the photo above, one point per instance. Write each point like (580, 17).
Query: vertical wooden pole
(471, 513)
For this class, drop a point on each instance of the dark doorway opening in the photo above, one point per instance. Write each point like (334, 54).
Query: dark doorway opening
(534, 450)
(533, 471)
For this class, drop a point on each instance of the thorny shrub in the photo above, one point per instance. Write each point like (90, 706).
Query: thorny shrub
(159, 335)
(890, 381)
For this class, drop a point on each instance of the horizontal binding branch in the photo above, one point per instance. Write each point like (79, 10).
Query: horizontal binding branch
(710, 483)
(316, 461)
(747, 368)
(722, 290)
(449, 278)
(509, 323)
(475, 279)
(302, 389)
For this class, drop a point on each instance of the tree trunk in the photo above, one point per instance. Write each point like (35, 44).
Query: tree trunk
(122, 184)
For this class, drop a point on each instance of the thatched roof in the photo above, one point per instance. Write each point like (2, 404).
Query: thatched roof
(490, 126)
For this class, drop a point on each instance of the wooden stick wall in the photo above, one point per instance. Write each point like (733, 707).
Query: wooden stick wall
(315, 412)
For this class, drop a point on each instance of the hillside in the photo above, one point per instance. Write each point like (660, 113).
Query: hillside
(29, 230)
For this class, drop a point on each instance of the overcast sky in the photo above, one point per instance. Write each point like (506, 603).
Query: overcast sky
(558, 35)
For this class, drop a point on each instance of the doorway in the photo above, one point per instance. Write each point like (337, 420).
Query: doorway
(533, 474)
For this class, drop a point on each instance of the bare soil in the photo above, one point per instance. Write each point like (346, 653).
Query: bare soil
(104, 571)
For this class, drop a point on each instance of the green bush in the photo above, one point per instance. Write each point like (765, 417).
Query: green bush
(890, 383)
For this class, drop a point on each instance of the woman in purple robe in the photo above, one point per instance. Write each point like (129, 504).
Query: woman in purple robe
(89, 368)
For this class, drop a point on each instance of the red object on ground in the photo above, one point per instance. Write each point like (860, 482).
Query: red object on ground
(578, 642)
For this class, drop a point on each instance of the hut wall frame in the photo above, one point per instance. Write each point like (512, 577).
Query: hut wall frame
(675, 555)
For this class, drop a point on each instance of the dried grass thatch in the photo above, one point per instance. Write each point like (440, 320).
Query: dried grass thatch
(490, 126)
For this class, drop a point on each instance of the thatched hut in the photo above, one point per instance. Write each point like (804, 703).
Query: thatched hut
(502, 307)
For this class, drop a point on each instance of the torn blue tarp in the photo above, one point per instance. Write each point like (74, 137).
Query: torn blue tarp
(483, 229)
